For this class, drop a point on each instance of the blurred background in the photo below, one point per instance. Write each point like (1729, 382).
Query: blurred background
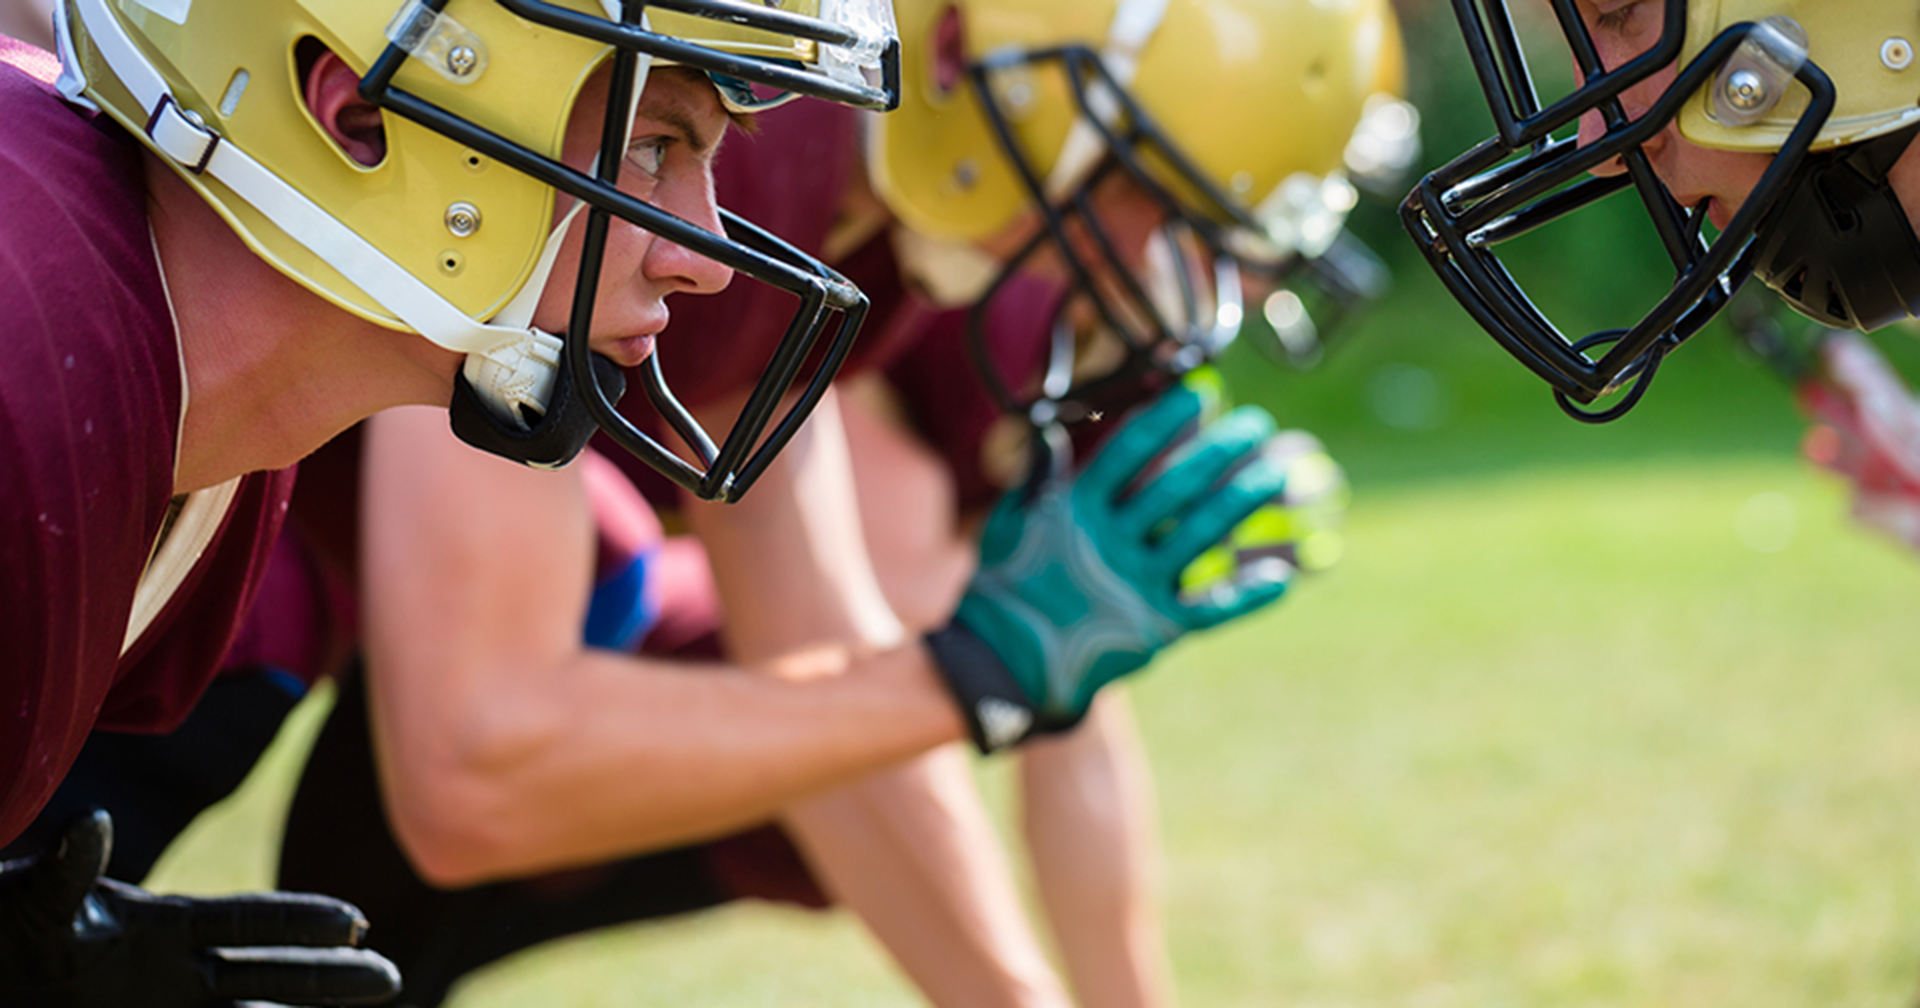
(1617, 715)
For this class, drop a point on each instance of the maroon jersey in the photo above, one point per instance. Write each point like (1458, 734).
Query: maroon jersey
(90, 401)
(948, 404)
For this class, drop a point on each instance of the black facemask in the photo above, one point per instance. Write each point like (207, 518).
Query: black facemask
(1523, 178)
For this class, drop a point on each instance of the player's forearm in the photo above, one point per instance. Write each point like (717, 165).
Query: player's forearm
(618, 755)
(910, 849)
(1089, 822)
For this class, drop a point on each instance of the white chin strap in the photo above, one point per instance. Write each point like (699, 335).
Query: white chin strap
(515, 378)
(1134, 23)
(517, 362)
(952, 274)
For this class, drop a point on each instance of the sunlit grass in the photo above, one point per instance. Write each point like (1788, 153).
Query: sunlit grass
(1549, 738)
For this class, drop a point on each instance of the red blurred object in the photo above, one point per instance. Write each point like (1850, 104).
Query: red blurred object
(1867, 429)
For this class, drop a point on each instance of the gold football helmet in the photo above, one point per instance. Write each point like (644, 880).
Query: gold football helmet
(452, 234)
(1224, 111)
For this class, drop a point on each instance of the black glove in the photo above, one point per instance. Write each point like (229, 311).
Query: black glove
(71, 939)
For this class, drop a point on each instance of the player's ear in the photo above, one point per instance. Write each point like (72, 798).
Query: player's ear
(949, 50)
(333, 96)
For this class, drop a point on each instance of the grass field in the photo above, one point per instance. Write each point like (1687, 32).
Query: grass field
(1622, 717)
(1560, 738)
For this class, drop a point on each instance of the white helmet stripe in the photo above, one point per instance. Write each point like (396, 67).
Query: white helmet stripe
(1134, 23)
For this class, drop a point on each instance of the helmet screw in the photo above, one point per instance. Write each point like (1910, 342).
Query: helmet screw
(966, 173)
(1745, 90)
(461, 60)
(1896, 53)
(463, 219)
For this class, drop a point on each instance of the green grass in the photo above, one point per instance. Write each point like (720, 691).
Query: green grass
(1553, 736)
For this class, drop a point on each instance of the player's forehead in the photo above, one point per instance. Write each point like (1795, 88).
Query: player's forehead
(676, 101)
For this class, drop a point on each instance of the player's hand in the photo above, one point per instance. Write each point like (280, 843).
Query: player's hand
(71, 939)
(1079, 581)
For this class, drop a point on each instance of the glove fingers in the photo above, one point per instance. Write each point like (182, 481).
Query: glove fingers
(1197, 467)
(1139, 440)
(1239, 599)
(276, 918)
(68, 872)
(1214, 518)
(302, 976)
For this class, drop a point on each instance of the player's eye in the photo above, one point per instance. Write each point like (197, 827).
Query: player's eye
(648, 155)
(1617, 19)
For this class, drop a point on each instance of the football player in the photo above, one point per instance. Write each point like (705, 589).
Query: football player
(858, 542)
(1766, 139)
(262, 206)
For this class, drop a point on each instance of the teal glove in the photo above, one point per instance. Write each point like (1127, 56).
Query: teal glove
(1079, 581)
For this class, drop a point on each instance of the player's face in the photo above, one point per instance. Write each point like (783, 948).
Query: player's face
(669, 164)
(1621, 30)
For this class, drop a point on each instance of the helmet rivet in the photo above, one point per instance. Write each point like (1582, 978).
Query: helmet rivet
(463, 219)
(1242, 182)
(1745, 90)
(1896, 53)
(966, 173)
(461, 60)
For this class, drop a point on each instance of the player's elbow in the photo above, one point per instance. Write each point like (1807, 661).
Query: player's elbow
(447, 848)
(461, 814)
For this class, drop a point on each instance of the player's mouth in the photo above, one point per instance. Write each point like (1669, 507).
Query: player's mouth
(629, 351)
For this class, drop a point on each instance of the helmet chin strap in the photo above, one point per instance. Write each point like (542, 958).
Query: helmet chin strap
(511, 369)
(515, 378)
(951, 273)
(1844, 252)
(517, 399)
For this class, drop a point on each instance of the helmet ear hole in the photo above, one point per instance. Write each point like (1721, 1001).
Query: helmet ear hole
(331, 91)
(949, 51)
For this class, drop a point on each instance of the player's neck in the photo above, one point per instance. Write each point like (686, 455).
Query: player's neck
(273, 371)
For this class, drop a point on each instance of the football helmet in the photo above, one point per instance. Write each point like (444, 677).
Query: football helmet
(1228, 114)
(1822, 86)
(452, 234)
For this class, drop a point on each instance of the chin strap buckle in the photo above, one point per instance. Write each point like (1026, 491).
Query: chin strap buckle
(182, 135)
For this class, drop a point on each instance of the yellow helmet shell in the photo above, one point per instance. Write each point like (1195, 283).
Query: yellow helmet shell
(1250, 91)
(471, 229)
(1868, 49)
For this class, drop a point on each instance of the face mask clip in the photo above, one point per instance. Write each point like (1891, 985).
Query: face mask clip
(1755, 79)
(444, 45)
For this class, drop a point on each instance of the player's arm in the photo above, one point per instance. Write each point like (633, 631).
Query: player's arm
(1087, 814)
(1086, 796)
(910, 848)
(507, 747)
